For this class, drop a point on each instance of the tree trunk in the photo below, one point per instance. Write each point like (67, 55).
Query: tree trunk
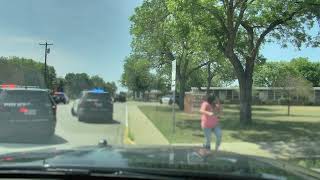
(134, 95)
(245, 84)
(182, 94)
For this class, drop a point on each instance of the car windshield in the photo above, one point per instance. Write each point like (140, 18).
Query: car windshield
(208, 86)
(96, 96)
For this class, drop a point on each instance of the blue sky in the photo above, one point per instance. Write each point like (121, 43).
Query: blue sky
(89, 36)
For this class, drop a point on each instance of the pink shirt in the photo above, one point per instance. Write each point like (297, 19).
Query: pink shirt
(206, 120)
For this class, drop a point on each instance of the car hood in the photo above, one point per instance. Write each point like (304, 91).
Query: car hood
(173, 158)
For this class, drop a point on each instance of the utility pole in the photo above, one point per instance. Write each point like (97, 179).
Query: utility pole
(46, 52)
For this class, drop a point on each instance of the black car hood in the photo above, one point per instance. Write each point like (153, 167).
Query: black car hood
(173, 158)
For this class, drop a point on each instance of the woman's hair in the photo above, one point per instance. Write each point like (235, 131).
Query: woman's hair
(210, 98)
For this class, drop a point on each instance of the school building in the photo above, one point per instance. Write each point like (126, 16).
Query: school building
(260, 96)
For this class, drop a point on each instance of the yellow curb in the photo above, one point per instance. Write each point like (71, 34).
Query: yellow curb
(126, 138)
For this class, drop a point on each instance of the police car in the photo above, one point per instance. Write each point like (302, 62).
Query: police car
(93, 105)
(26, 111)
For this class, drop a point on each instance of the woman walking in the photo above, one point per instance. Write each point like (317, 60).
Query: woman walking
(211, 110)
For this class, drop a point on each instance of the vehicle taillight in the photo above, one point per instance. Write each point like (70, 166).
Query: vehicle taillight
(11, 86)
(23, 110)
(7, 159)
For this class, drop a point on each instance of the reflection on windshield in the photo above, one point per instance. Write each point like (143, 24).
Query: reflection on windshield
(241, 77)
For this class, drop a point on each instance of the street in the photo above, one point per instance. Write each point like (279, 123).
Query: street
(71, 133)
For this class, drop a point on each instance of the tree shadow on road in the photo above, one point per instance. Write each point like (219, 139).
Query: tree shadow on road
(27, 143)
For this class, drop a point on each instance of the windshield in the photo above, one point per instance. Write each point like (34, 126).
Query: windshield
(235, 79)
(96, 96)
(22, 96)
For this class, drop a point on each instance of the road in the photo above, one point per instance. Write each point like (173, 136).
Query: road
(70, 132)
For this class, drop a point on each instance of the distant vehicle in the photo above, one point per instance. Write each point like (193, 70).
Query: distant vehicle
(26, 111)
(120, 97)
(168, 99)
(93, 105)
(60, 97)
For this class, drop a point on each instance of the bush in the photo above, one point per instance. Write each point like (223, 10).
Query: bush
(283, 101)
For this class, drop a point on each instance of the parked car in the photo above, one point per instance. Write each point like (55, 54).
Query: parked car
(26, 111)
(60, 97)
(93, 105)
(168, 99)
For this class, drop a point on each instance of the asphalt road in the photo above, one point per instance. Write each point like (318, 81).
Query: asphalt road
(72, 133)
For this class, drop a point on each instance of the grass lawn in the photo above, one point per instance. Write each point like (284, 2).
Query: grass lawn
(270, 123)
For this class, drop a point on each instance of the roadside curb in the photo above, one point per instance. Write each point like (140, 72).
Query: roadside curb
(126, 139)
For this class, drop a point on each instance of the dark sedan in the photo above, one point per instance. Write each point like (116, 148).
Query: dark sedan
(93, 105)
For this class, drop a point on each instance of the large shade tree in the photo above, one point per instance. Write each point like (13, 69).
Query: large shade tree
(162, 35)
(241, 27)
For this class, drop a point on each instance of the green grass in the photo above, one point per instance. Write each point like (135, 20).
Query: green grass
(270, 123)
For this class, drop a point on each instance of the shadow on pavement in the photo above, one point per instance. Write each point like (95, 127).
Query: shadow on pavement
(25, 143)
(298, 148)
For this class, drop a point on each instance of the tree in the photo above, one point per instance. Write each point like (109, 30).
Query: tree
(307, 69)
(159, 82)
(59, 84)
(136, 75)
(241, 27)
(294, 86)
(111, 87)
(163, 35)
(97, 82)
(24, 71)
(75, 83)
(268, 74)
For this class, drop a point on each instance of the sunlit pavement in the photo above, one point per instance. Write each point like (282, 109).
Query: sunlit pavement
(72, 133)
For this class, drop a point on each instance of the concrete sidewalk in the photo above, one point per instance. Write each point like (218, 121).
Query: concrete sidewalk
(143, 130)
(244, 148)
